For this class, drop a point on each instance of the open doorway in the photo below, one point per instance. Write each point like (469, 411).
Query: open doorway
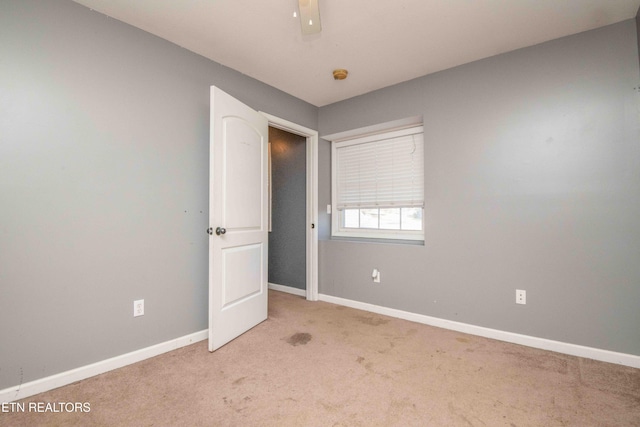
(293, 240)
(288, 225)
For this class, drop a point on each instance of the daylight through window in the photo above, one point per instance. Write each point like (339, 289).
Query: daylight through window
(378, 185)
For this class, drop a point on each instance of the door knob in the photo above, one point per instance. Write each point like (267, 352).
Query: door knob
(220, 231)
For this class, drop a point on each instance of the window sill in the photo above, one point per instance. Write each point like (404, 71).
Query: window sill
(389, 238)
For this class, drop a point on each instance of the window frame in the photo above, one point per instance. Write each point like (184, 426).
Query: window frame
(337, 222)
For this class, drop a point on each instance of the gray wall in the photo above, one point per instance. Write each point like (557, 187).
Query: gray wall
(532, 181)
(638, 30)
(287, 239)
(104, 147)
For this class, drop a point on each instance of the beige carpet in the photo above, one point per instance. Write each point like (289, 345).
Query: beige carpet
(318, 364)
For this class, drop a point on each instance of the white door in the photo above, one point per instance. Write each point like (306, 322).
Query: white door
(238, 219)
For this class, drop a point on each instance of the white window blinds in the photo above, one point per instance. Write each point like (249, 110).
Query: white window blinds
(381, 171)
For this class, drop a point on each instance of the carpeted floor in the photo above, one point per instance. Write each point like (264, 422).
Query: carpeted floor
(318, 364)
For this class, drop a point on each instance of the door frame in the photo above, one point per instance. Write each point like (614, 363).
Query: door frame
(312, 198)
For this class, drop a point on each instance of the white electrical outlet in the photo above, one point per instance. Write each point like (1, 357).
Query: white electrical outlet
(521, 296)
(329, 209)
(138, 308)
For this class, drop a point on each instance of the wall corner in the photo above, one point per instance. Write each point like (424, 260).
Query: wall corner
(638, 31)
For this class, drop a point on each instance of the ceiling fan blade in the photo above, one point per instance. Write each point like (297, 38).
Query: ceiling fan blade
(309, 16)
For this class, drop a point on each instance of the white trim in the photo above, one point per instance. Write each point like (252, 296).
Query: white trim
(377, 128)
(375, 233)
(380, 136)
(288, 289)
(526, 340)
(312, 198)
(64, 378)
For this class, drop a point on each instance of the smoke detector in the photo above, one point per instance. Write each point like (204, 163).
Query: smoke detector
(340, 74)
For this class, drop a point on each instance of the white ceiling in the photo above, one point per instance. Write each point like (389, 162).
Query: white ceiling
(380, 42)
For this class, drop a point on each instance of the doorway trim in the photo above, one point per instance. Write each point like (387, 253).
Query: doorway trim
(312, 198)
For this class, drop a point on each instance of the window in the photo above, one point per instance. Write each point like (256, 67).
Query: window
(378, 185)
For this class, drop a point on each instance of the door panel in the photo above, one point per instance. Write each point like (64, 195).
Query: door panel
(239, 281)
(238, 208)
(243, 185)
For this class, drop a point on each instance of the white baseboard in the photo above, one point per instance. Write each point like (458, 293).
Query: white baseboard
(541, 343)
(58, 380)
(288, 289)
